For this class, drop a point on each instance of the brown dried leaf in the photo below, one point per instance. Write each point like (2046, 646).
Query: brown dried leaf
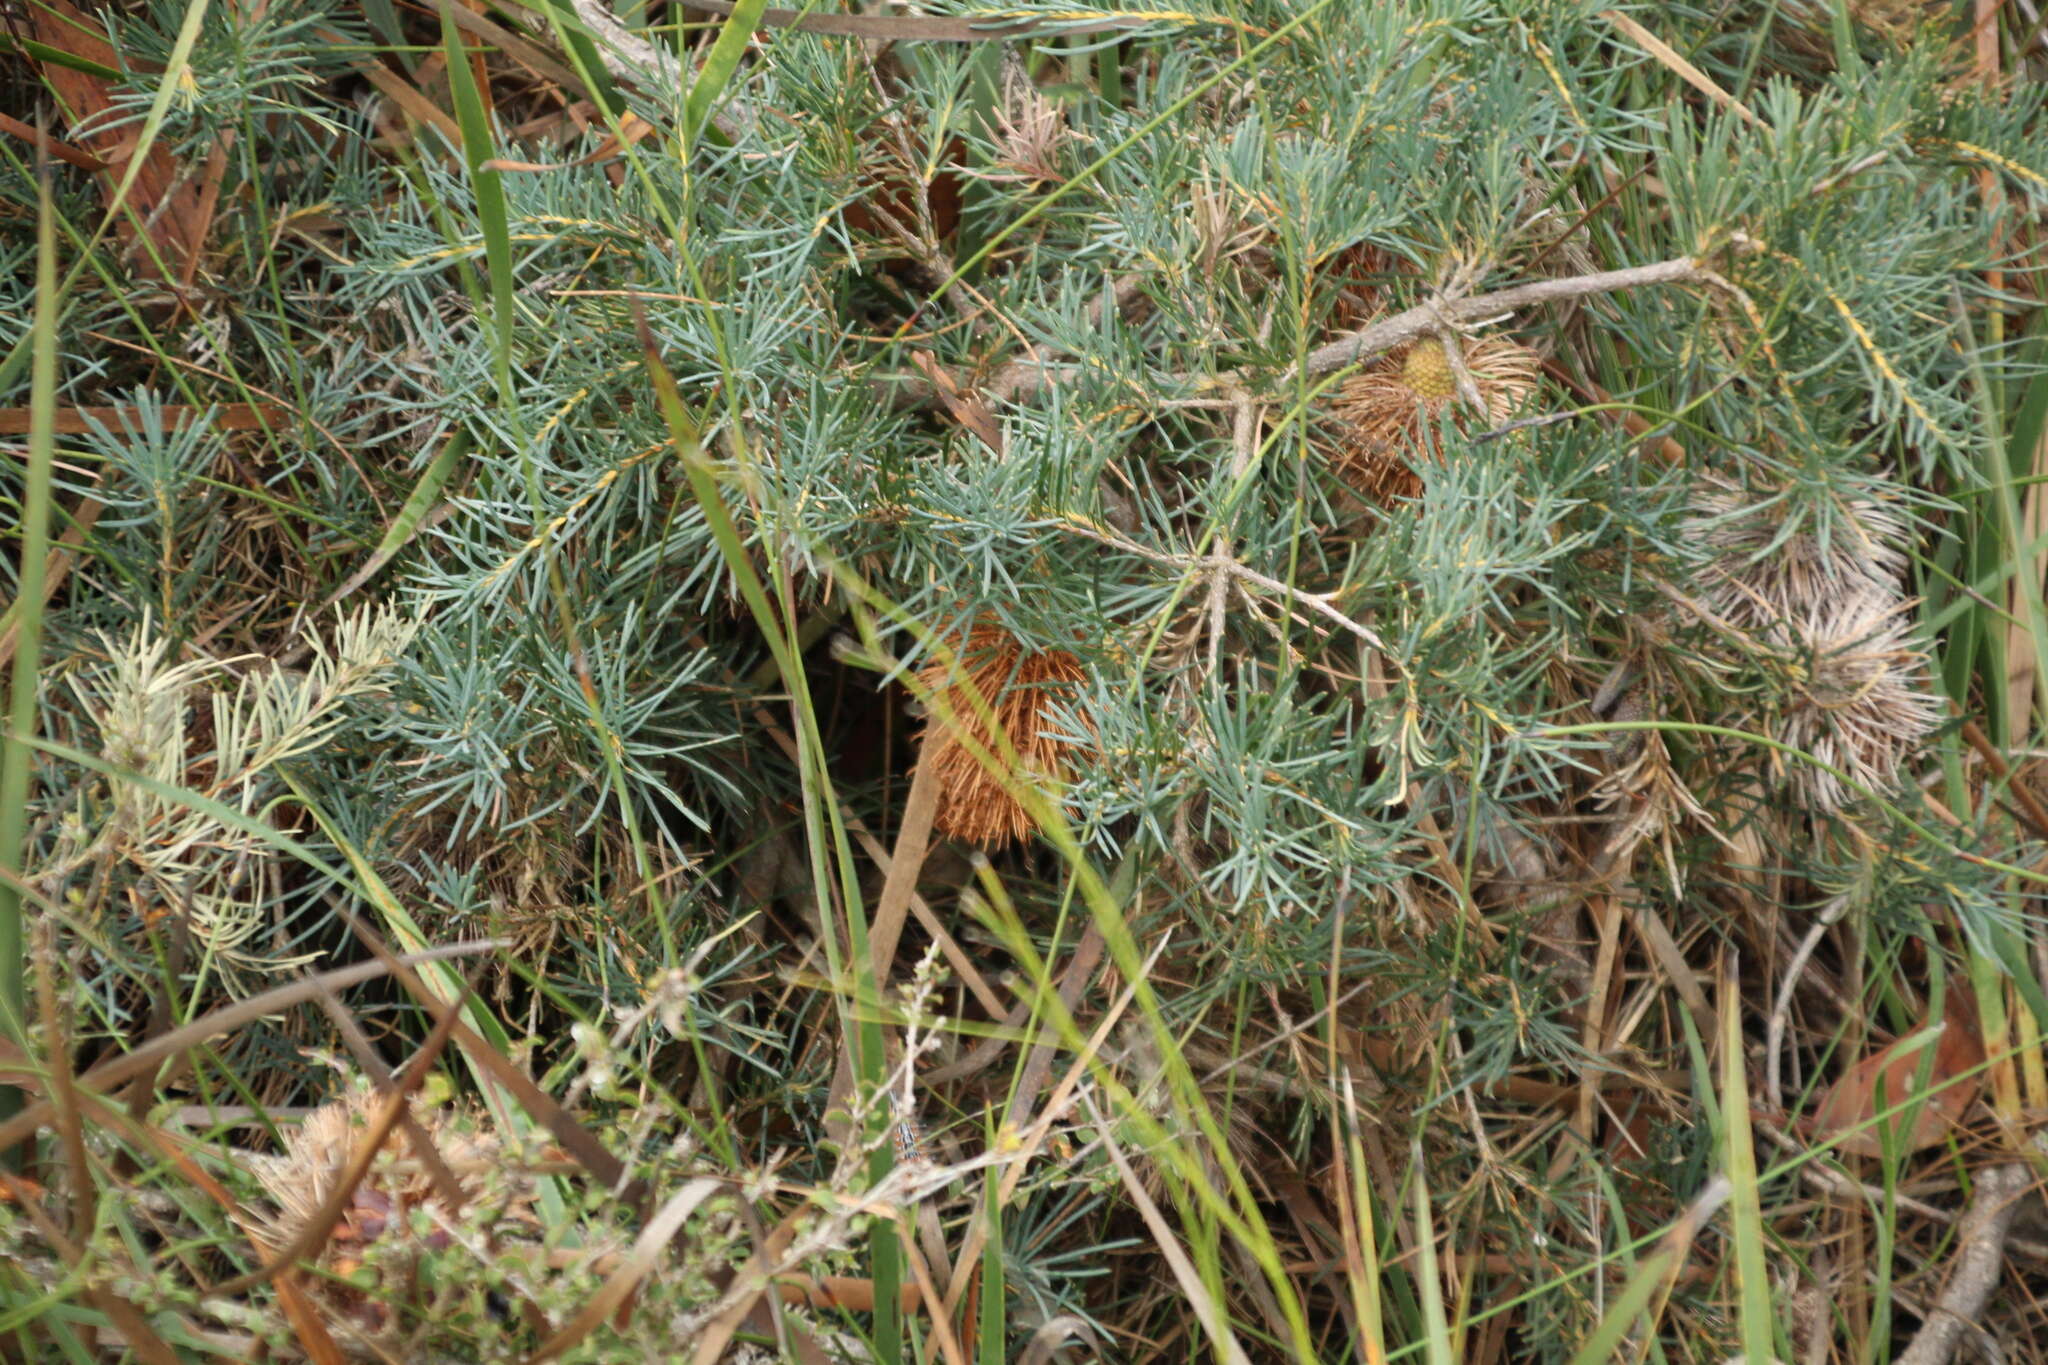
(1850, 1108)
(965, 407)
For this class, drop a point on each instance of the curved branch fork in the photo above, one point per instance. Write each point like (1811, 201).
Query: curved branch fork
(1023, 378)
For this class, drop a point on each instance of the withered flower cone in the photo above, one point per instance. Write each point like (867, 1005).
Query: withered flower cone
(1861, 703)
(320, 1149)
(1020, 687)
(1389, 414)
(1760, 575)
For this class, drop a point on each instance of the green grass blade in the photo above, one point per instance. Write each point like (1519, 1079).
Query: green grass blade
(717, 72)
(489, 188)
(422, 500)
(993, 1343)
(1604, 1344)
(17, 760)
(1745, 1206)
(1436, 1326)
(174, 70)
(43, 53)
(821, 809)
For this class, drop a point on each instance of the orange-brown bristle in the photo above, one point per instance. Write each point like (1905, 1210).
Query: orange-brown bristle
(1018, 686)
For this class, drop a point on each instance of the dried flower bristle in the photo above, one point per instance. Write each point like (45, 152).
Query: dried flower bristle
(1860, 701)
(320, 1149)
(1757, 576)
(1030, 131)
(1388, 415)
(1018, 686)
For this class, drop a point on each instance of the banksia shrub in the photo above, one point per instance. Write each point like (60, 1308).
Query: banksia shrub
(1020, 686)
(612, 367)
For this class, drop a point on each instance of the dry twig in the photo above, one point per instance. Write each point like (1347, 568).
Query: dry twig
(1023, 378)
(1980, 1257)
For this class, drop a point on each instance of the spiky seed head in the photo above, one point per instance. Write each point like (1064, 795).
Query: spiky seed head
(1020, 686)
(1387, 416)
(1859, 700)
(1758, 575)
(327, 1140)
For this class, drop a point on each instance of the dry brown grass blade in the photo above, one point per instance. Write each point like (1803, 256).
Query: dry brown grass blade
(63, 151)
(2030, 805)
(1355, 1224)
(956, 956)
(57, 566)
(200, 223)
(942, 1326)
(1665, 448)
(447, 1188)
(73, 421)
(845, 1293)
(404, 94)
(300, 1314)
(1205, 1308)
(577, 1140)
(1052, 1334)
(637, 1264)
(1036, 1070)
(719, 1332)
(1679, 66)
(109, 1074)
(913, 842)
(307, 1325)
(512, 45)
(1081, 969)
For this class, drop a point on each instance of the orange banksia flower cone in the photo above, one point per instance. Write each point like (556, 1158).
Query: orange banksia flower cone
(1020, 687)
(1389, 413)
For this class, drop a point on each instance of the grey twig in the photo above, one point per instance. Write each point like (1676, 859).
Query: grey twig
(1322, 604)
(1980, 1257)
(1022, 378)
